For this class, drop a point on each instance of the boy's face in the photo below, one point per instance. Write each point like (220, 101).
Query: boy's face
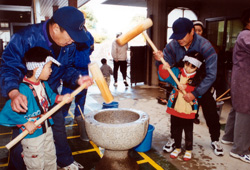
(46, 71)
(189, 68)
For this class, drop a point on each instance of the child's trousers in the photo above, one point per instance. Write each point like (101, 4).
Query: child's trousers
(178, 125)
(39, 153)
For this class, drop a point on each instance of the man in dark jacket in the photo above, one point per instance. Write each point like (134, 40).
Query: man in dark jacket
(186, 40)
(58, 36)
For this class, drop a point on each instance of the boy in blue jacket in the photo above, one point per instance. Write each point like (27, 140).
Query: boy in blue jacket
(38, 145)
(58, 35)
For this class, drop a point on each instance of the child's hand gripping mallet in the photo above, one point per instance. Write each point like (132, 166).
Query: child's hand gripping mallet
(163, 61)
(43, 118)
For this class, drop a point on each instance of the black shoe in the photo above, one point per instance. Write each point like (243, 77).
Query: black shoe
(196, 121)
(125, 82)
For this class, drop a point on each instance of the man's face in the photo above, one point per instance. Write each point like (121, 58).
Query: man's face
(63, 39)
(60, 37)
(187, 40)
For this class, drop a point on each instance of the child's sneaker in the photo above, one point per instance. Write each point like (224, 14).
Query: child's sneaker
(217, 148)
(74, 166)
(187, 156)
(175, 153)
(170, 146)
(245, 158)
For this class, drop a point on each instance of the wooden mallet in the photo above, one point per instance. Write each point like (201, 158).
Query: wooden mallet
(125, 38)
(101, 82)
(43, 118)
(140, 28)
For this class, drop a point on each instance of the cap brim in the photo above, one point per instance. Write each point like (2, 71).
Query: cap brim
(178, 36)
(78, 36)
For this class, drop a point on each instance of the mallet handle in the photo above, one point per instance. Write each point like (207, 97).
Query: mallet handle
(163, 61)
(43, 118)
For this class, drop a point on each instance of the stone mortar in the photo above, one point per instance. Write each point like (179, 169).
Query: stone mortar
(117, 130)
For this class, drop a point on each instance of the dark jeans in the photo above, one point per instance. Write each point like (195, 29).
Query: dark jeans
(63, 151)
(177, 127)
(211, 116)
(80, 99)
(123, 69)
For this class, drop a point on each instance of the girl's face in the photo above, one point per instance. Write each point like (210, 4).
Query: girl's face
(189, 68)
(198, 30)
(46, 71)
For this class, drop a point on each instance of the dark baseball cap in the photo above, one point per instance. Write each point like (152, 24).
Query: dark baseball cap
(181, 27)
(72, 20)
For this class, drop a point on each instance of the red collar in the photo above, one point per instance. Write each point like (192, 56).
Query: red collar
(31, 82)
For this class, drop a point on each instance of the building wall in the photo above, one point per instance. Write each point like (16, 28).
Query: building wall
(156, 11)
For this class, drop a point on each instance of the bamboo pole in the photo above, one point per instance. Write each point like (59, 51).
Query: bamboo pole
(225, 98)
(222, 95)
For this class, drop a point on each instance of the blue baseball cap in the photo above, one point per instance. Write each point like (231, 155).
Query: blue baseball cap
(72, 20)
(181, 27)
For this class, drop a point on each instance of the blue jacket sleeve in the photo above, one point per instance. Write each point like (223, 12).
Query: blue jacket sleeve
(10, 118)
(210, 56)
(12, 69)
(169, 53)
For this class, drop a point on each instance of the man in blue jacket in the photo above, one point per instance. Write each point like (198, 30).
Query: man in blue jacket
(186, 40)
(58, 36)
(82, 59)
